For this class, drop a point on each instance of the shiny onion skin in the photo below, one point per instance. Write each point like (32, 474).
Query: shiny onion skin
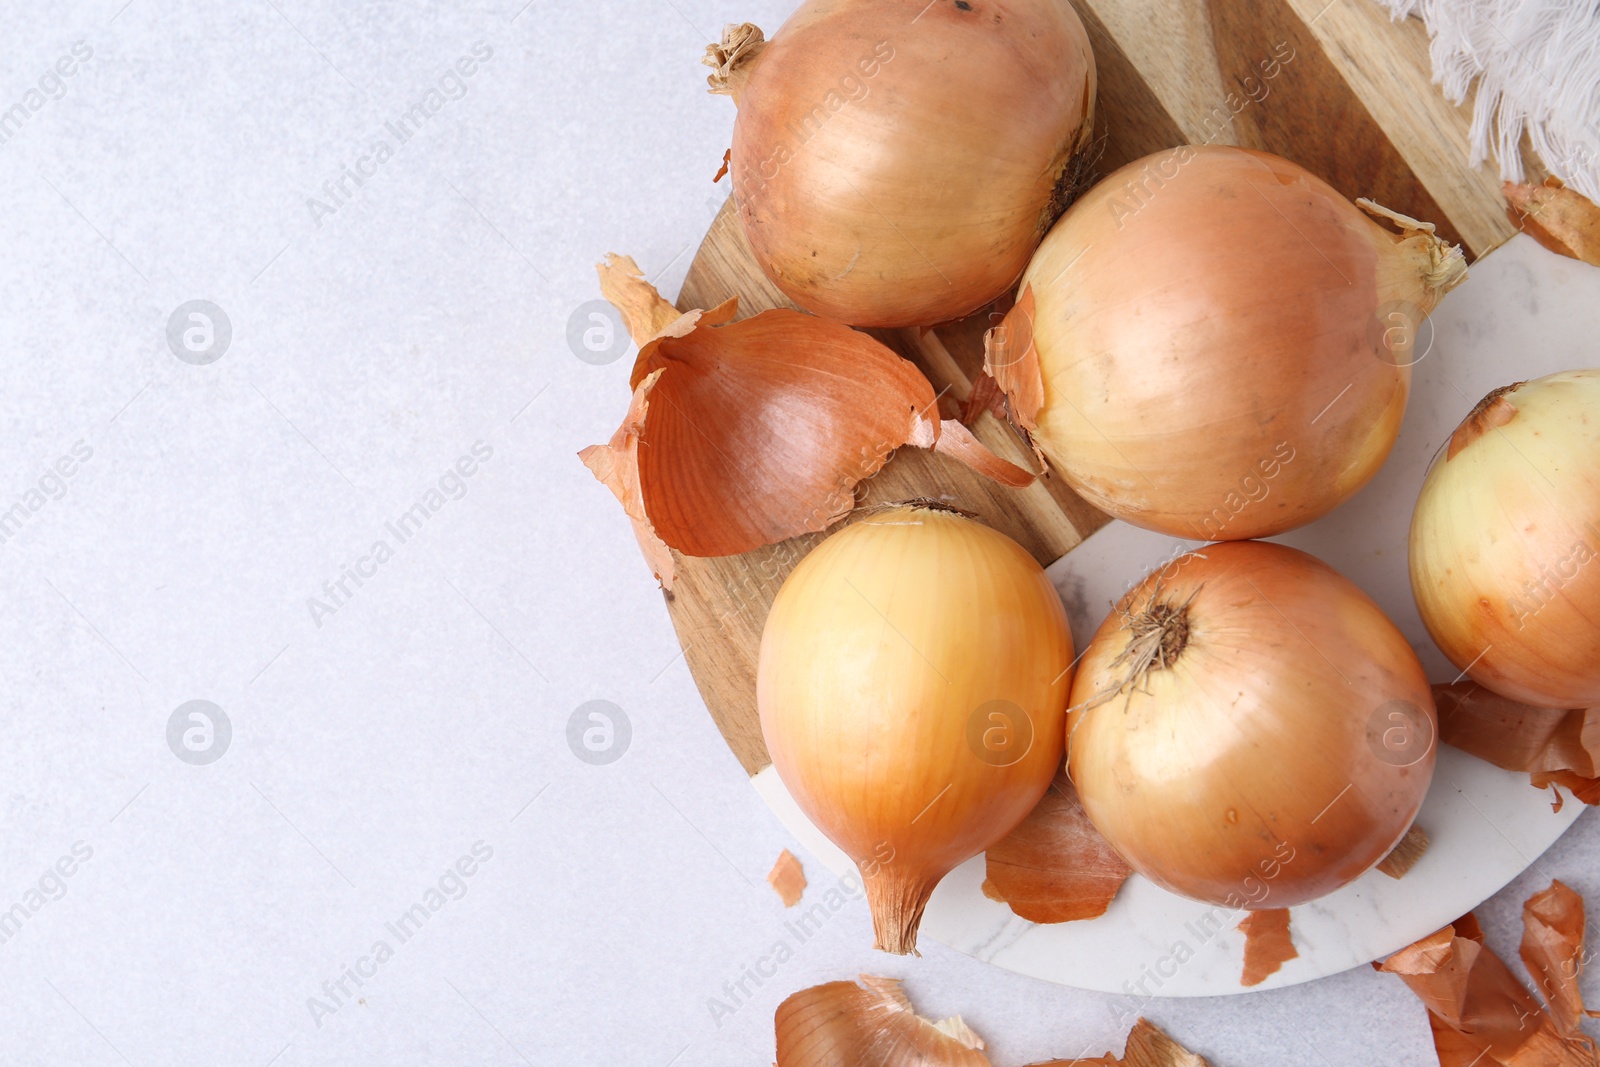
(1283, 749)
(1224, 342)
(896, 162)
(912, 686)
(1505, 543)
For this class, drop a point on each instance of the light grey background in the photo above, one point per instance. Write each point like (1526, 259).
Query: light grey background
(372, 348)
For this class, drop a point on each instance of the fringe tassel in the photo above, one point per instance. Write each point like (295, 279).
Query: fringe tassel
(1537, 68)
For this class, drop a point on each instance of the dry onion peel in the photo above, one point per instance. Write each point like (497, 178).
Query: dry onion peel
(1563, 220)
(1552, 948)
(896, 162)
(1404, 856)
(1055, 867)
(1267, 944)
(912, 687)
(1479, 1012)
(1147, 1046)
(871, 1024)
(741, 434)
(1248, 728)
(1215, 344)
(1556, 745)
(787, 878)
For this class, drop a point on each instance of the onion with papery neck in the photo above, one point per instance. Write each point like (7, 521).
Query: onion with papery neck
(896, 162)
(1214, 344)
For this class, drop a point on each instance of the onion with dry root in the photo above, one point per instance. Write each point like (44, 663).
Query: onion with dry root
(912, 687)
(1505, 543)
(1213, 343)
(1249, 729)
(896, 162)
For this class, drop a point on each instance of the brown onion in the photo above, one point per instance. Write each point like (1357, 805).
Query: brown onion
(1214, 344)
(896, 161)
(1505, 543)
(1249, 729)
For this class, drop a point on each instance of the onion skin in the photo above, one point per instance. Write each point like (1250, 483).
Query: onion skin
(1505, 543)
(897, 169)
(883, 648)
(1250, 772)
(1224, 342)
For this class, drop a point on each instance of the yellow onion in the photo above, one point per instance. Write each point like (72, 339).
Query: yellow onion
(1213, 343)
(912, 686)
(1249, 729)
(1505, 543)
(896, 162)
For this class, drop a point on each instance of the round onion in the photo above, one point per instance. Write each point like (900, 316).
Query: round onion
(1224, 342)
(912, 686)
(1249, 729)
(897, 161)
(1505, 543)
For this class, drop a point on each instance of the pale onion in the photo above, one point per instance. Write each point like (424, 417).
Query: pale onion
(1213, 343)
(1505, 543)
(896, 162)
(912, 686)
(1249, 729)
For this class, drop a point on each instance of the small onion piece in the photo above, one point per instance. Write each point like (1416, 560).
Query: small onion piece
(912, 687)
(896, 162)
(1249, 729)
(1215, 344)
(1505, 543)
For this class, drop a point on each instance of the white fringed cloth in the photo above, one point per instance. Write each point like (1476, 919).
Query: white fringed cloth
(1537, 67)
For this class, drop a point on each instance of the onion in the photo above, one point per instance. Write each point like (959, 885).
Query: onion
(912, 686)
(1505, 543)
(1214, 344)
(1249, 729)
(897, 161)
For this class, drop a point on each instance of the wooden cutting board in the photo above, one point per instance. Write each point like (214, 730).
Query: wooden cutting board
(1352, 101)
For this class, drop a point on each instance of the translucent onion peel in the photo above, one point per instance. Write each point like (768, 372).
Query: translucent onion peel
(1055, 867)
(895, 162)
(1505, 543)
(787, 878)
(1398, 863)
(1248, 728)
(873, 1024)
(912, 688)
(1558, 746)
(1267, 944)
(1214, 344)
(1480, 1014)
(1147, 1046)
(870, 1024)
(741, 434)
(1561, 219)
(1553, 925)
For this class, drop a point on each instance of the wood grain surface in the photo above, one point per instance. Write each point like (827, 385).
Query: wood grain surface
(1354, 104)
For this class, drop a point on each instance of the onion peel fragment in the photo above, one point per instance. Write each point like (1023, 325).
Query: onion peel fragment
(732, 58)
(1405, 855)
(1147, 1046)
(1552, 948)
(742, 434)
(1563, 220)
(1557, 746)
(1267, 944)
(1012, 360)
(1478, 1011)
(787, 878)
(1055, 867)
(870, 1024)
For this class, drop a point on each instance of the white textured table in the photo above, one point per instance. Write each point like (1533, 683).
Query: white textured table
(401, 731)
